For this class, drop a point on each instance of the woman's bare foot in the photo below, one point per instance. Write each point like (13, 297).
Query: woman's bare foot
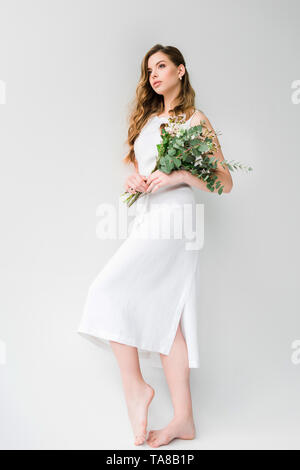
(181, 428)
(138, 400)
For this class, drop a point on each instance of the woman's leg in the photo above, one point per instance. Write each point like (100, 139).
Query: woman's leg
(176, 368)
(138, 393)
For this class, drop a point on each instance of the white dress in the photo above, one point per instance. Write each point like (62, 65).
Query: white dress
(150, 284)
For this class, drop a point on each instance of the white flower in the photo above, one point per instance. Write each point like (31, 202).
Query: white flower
(175, 127)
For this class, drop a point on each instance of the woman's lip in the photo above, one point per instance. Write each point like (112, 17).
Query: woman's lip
(157, 83)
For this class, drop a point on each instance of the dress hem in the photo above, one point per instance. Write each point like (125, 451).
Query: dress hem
(104, 337)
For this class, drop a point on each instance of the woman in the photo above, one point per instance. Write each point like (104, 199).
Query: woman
(143, 300)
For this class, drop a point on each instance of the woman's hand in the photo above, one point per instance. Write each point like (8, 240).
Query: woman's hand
(158, 179)
(136, 182)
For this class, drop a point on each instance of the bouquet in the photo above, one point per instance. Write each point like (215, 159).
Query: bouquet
(188, 149)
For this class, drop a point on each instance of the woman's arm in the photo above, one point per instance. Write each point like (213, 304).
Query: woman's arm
(223, 174)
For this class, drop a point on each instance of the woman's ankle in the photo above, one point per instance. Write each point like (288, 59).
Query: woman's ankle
(133, 386)
(183, 416)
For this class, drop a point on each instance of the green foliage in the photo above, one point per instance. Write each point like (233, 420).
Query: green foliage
(193, 150)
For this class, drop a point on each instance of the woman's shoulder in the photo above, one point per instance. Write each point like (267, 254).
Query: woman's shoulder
(197, 117)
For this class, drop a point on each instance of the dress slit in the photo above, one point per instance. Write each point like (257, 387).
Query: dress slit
(180, 319)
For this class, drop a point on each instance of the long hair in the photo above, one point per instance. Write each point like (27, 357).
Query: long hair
(147, 102)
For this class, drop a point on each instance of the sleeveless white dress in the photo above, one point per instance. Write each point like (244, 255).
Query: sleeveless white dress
(150, 284)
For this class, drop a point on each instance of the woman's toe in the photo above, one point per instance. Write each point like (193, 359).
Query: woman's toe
(139, 440)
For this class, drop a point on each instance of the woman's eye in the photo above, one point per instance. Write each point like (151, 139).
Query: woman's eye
(160, 65)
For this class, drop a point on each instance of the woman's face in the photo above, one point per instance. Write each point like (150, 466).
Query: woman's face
(161, 69)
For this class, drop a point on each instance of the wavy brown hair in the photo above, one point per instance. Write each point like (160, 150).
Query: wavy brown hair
(147, 102)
